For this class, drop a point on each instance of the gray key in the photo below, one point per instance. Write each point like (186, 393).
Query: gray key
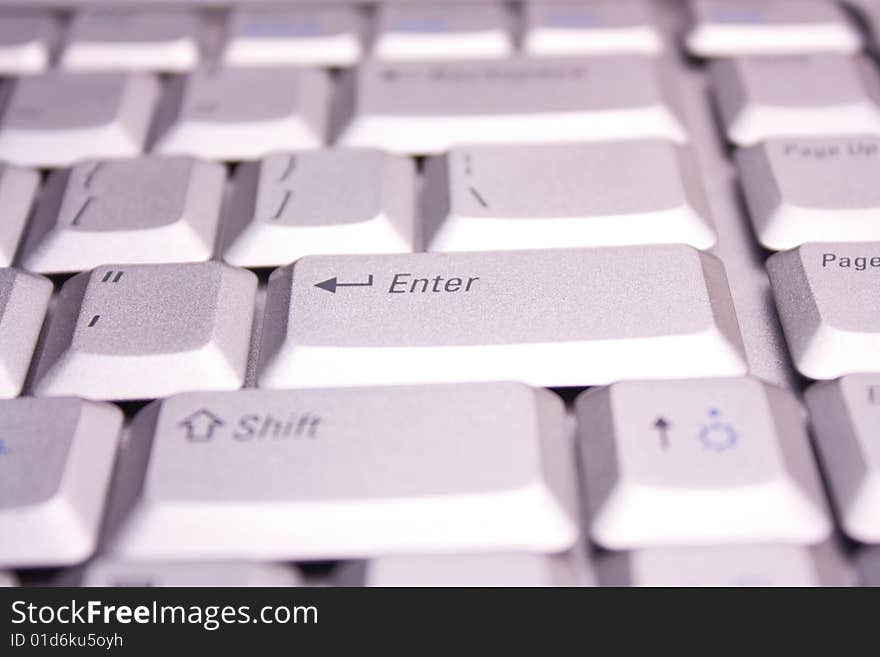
(24, 299)
(145, 331)
(738, 566)
(804, 96)
(442, 32)
(828, 297)
(492, 569)
(725, 28)
(868, 566)
(26, 41)
(312, 35)
(812, 190)
(424, 108)
(547, 318)
(327, 201)
(56, 459)
(845, 415)
(133, 40)
(701, 462)
(598, 27)
(18, 188)
(142, 210)
(104, 572)
(565, 195)
(243, 114)
(56, 118)
(347, 473)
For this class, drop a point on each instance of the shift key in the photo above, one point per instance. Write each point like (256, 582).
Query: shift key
(553, 318)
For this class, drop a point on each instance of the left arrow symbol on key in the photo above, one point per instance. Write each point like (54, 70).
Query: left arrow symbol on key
(331, 284)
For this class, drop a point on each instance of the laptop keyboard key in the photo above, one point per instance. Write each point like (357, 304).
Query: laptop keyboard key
(555, 28)
(565, 195)
(727, 28)
(56, 460)
(18, 188)
(812, 190)
(317, 36)
(439, 33)
(845, 415)
(698, 462)
(106, 572)
(144, 331)
(141, 210)
(425, 108)
(329, 201)
(27, 38)
(484, 570)
(828, 298)
(24, 299)
(346, 474)
(57, 118)
(762, 98)
(133, 40)
(549, 318)
(736, 566)
(243, 114)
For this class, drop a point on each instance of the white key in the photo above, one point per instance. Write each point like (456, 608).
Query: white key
(565, 195)
(725, 28)
(555, 317)
(290, 205)
(595, 27)
(145, 331)
(812, 190)
(24, 299)
(55, 119)
(845, 414)
(698, 462)
(868, 565)
(325, 36)
(56, 460)
(143, 210)
(127, 40)
(8, 580)
(18, 188)
(27, 38)
(828, 298)
(501, 569)
(428, 108)
(804, 96)
(106, 572)
(243, 114)
(437, 33)
(735, 565)
(346, 474)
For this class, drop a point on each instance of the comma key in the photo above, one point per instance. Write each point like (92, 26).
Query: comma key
(828, 298)
(456, 468)
(548, 318)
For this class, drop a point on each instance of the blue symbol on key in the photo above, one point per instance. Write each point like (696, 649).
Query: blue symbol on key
(717, 435)
(4, 450)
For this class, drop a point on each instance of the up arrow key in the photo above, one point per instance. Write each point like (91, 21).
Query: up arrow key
(331, 284)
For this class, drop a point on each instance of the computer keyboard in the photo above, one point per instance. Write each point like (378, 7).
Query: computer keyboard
(534, 293)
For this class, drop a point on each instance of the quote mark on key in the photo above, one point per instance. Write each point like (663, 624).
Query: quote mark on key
(110, 278)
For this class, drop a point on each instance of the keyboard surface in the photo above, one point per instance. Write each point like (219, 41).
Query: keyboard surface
(542, 293)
